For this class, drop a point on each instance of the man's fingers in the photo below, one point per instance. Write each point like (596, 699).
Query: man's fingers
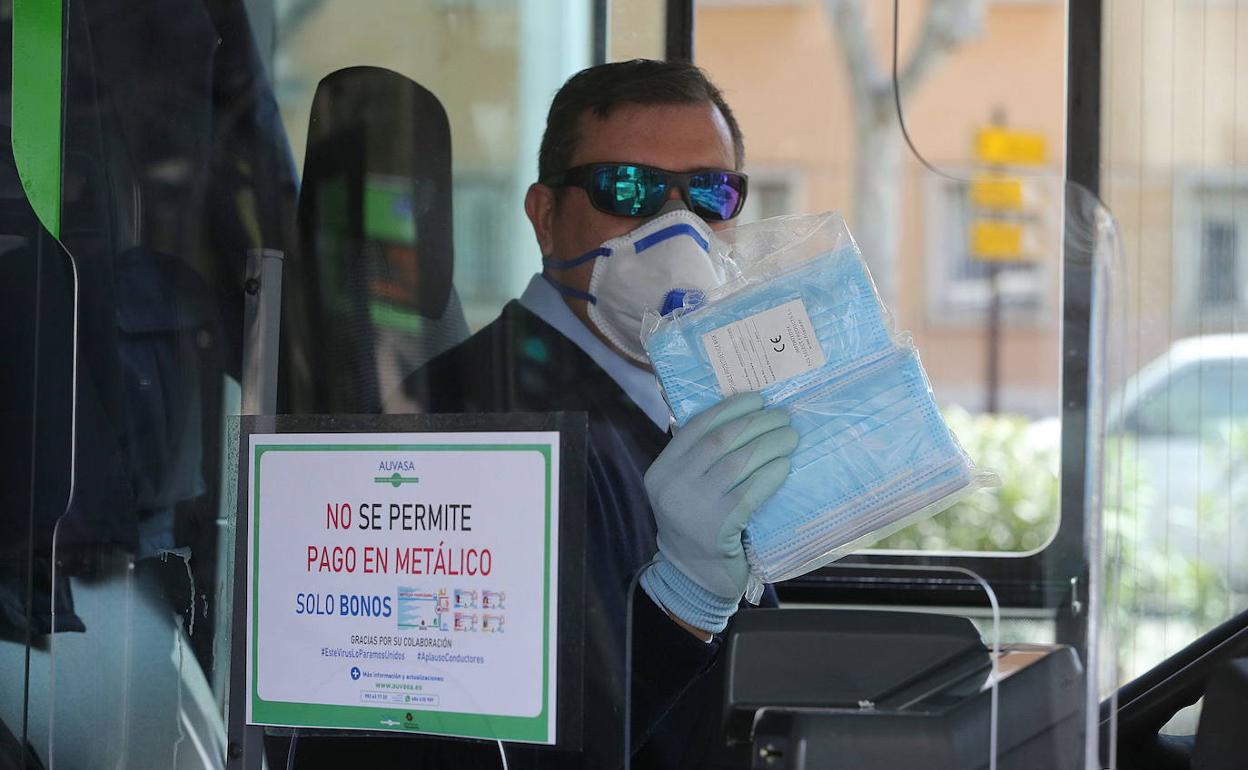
(718, 444)
(737, 468)
(704, 422)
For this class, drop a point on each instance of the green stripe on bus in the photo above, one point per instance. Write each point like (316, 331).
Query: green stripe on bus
(37, 49)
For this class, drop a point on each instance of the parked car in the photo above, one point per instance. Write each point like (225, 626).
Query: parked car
(1179, 411)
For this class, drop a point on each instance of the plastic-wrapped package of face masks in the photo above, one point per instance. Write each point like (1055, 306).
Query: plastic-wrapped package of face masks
(804, 326)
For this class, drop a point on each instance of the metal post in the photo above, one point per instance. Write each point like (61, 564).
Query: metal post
(994, 339)
(1084, 24)
(679, 45)
(261, 335)
(261, 330)
(993, 376)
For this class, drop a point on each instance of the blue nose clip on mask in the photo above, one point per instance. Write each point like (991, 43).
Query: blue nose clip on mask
(873, 452)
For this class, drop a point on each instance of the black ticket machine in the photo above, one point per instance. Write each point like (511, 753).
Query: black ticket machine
(896, 690)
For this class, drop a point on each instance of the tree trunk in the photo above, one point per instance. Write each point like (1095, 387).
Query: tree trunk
(876, 221)
(877, 201)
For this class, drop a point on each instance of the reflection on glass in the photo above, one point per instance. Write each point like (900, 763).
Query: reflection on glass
(173, 167)
(493, 67)
(370, 298)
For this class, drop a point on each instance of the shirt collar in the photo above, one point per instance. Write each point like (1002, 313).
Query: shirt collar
(544, 301)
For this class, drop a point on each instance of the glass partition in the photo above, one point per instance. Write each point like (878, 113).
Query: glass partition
(1174, 172)
(939, 130)
(319, 209)
(968, 259)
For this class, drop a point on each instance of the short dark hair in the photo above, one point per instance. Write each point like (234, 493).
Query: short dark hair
(602, 88)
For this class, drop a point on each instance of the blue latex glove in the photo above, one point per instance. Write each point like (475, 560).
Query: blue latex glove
(716, 472)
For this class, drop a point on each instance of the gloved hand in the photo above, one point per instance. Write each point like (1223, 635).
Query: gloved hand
(703, 489)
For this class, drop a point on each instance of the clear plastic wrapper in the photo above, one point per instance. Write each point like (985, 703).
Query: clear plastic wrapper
(804, 325)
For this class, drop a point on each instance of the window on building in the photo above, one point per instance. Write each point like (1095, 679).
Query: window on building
(1211, 237)
(771, 195)
(1219, 263)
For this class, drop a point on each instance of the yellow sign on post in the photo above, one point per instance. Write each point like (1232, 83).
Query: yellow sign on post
(997, 193)
(994, 241)
(1003, 147)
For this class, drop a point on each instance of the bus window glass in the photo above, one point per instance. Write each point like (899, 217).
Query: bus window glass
(1173, 172)
(812, 84)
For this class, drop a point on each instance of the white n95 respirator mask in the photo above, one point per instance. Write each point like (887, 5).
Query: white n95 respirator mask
(653, 268)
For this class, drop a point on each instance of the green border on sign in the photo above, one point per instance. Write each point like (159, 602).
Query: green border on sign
(316, 715)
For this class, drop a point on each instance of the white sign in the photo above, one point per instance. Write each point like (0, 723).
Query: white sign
(404, 582)
(766, 347)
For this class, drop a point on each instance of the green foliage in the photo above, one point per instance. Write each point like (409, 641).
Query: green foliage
(1163, 580)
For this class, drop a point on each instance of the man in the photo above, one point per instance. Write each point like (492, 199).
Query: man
(613, 134)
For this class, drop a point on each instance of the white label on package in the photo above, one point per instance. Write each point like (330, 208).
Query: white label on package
(766, 347)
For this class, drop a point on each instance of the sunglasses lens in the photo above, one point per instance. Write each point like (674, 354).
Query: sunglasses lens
(629, 191)
(716, 195)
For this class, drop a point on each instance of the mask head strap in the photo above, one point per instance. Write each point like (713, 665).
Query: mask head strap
(567, 264)
(569, 291)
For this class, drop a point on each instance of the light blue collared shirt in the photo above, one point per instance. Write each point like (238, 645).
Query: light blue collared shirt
(544, 301)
